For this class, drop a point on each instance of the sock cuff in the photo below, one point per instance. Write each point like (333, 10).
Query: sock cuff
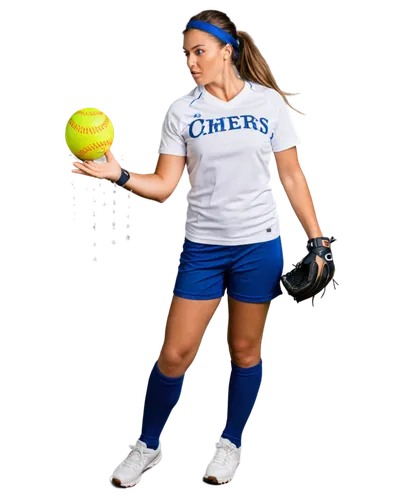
(233, 439)
(165, 378)
(251, 370)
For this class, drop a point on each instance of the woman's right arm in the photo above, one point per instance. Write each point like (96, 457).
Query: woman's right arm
(160, 185)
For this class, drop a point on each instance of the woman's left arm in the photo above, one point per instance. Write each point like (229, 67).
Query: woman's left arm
(296, 188)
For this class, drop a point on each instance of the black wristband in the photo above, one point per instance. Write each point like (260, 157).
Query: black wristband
(125, 176)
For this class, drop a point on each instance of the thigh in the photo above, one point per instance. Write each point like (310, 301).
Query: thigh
(187, 321)
(255, 271)
(202, 271)
(245, 330)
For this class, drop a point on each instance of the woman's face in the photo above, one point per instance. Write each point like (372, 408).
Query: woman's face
(204, 56)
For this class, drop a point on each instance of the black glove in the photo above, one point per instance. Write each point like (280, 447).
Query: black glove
(313, 272)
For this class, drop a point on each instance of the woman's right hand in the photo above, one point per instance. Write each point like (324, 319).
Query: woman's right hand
(111, 170)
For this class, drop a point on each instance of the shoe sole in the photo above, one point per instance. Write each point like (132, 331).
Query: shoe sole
(117, 482)
(213, 481)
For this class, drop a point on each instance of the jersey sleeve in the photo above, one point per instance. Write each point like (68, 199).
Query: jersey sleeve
(285, 135)
(172, 142)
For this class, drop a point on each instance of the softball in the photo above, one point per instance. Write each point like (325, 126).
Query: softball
(89, 134)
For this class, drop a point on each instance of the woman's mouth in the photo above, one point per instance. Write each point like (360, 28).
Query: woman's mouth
(195, 75)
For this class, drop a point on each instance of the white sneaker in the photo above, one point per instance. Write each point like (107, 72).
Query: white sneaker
(223, 466)
(130, 470)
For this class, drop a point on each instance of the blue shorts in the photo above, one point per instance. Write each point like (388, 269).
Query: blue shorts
(250, 272)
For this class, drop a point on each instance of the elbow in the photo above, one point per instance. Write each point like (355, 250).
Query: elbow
(161, 200)
(162, 190)
(164, 197)
(160, 197)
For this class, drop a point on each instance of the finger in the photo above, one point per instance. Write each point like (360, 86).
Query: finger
(109, 154)
(79, 172)
(90, 165)
(81, 169)
(93, 166)
(93, 173)
(78, 165)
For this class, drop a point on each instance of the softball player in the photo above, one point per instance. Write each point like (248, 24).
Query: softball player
(225, 129)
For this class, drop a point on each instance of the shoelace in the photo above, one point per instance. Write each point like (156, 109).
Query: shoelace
(222, 454)
(135, 458)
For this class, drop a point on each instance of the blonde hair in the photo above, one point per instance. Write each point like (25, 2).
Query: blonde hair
(250, 64)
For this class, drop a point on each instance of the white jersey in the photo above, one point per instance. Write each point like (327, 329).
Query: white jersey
(228, 147)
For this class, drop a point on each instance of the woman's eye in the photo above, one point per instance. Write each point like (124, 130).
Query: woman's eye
(196, 52)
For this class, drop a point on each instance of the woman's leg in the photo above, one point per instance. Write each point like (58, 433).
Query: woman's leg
(186, 324)
(246, 330)
(253, 281)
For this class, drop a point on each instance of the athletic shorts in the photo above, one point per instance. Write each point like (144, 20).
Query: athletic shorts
(250, 272)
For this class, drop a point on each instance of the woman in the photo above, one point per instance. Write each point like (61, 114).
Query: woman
(226, 128)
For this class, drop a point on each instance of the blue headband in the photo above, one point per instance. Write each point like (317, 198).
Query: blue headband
(216, 31)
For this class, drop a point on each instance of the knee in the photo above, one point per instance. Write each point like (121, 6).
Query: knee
(174, 362)
(245, 354)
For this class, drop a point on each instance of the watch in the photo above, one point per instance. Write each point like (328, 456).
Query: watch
(125, 176)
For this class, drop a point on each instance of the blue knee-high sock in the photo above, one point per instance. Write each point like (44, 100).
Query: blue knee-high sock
(243, 389)
(162, 395)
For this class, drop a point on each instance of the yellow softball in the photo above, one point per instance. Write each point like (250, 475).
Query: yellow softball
(89, 134)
